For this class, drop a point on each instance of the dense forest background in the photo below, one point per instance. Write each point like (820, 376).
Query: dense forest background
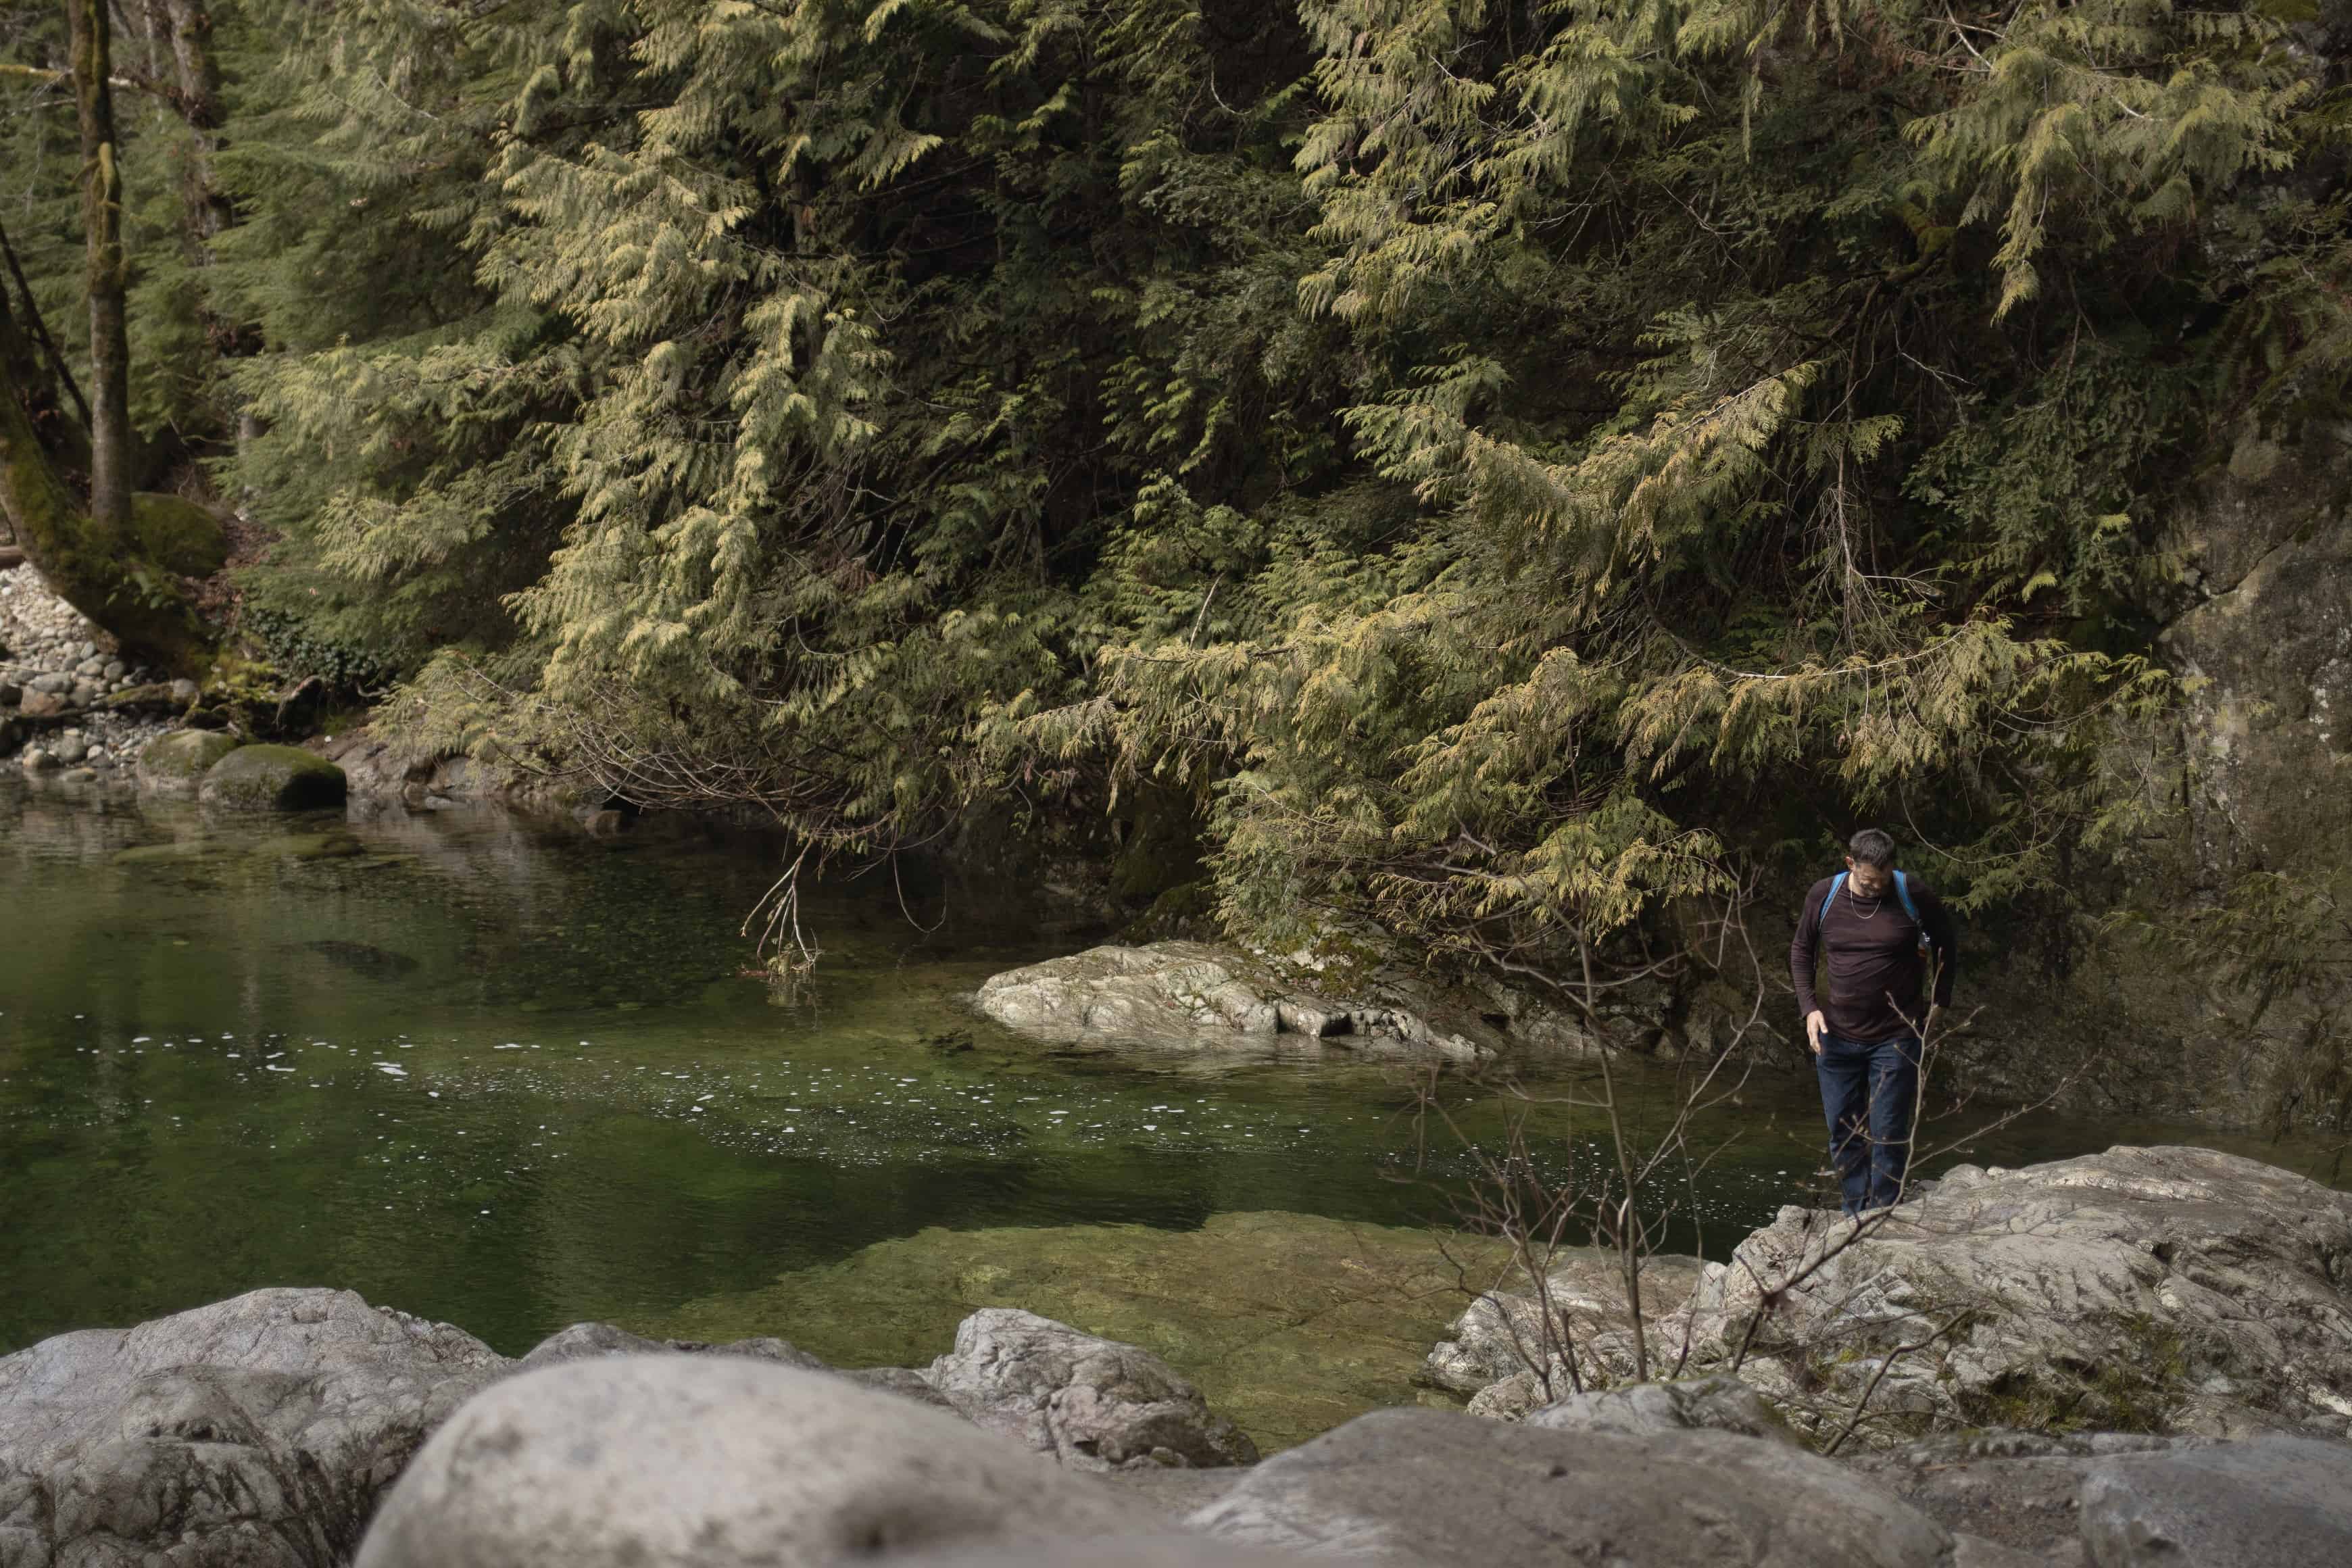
(1513, 473)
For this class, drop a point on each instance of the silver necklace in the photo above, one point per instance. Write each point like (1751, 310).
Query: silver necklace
(1854, 898)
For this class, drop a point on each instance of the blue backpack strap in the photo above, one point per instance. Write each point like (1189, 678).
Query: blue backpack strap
(1902, 891)
(1837, 882)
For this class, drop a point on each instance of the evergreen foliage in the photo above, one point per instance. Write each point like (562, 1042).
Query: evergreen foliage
(1507, 466)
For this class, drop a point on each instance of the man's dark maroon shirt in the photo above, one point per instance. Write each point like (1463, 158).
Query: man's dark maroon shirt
(1876, 968)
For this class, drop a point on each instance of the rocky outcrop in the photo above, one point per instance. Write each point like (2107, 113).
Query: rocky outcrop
(1189, 995)
(2247, 769)
(672, 1461)
(1718, 1404)
(273, 778)
(1093, 1403)
(263, 1432)
(2171, 1289)
(1510, 1349)
(384, 771)
(1433, 1489)
(2265, 638)
(257, 1432)
(2167, 1289)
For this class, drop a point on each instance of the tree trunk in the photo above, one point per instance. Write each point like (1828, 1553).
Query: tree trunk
(199, 99)
(139, 605)
(30, 364)
(91, 559)
(112, 454)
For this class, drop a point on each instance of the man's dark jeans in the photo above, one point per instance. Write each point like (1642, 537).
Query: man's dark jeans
(1869, 1090)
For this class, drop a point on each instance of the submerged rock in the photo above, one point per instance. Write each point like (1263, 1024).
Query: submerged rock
(1289, 1323)
(1429, 1488)
(258, 1431)
(273, 778)
(678, 1461)
(360, 957)
(1093, 1403)
(1191, 993)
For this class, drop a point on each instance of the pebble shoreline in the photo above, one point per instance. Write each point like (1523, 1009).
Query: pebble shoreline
(49, 652)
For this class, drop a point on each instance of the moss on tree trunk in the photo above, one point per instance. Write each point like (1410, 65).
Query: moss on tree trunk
(91, 556)
(138, 603)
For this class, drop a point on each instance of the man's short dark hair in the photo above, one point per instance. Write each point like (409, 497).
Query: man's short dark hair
(1872, 846)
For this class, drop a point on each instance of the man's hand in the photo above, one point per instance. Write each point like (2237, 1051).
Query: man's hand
(1815, 1027)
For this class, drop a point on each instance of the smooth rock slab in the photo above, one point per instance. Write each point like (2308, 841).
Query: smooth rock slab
(1191, 994)
(681, 1461)
(585, 1341)
(273, 778)
(1093, 1403)
(1427, 1487)
(254, 1433)
(2267, 1503)
(1163, 1550)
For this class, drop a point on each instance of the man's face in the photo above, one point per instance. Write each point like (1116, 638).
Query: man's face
(1868, 881)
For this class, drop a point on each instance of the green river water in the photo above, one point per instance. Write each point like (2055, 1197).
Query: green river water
(509, 1076)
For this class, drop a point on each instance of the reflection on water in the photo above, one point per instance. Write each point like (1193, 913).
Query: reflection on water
(509, 1076)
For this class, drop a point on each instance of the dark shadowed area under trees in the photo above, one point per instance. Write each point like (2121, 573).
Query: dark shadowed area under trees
(1529, 476)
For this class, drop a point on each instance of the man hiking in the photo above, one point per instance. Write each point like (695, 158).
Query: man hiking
(1878, 927)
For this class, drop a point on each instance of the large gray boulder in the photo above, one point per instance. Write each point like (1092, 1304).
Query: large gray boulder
(2260, 1504)
(2168, 1290)
(678, 1461)
(1434, 1488)
(586, 1342)
(1165, 1550)
(1093, 1403)
(254, 1433)
(1191, 994)
(273, 778)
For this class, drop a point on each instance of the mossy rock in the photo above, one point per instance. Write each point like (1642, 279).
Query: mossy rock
(177, 762)
(178, 536)
(274, 778)
(1288, 1323)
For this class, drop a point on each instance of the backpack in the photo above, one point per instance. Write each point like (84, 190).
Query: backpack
(1902, 891)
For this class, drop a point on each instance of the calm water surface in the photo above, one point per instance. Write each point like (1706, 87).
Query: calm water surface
(509, 1076)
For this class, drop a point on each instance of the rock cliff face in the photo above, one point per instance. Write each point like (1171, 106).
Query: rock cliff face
(2265, 645)
(2253, 771)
